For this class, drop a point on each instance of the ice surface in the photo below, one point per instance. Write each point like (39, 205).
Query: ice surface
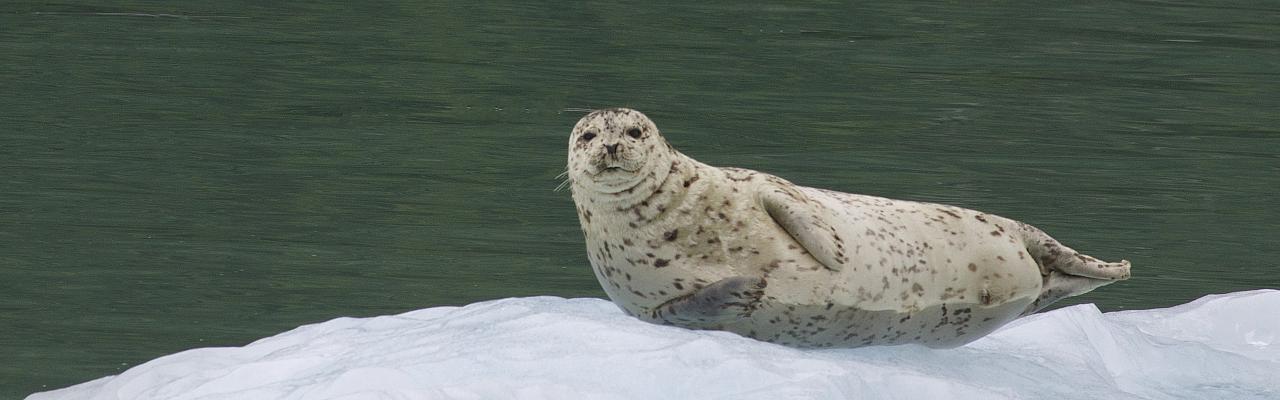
(1217, 347)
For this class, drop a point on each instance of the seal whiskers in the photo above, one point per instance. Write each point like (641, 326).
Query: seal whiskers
(566, 181)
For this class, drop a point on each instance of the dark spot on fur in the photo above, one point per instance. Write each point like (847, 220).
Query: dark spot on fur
(659, 263)
(773, 265)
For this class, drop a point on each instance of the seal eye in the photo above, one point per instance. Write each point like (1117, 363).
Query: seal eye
(634, 132)
(586, 137)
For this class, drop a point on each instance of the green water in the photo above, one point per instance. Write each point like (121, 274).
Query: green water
(183, 174)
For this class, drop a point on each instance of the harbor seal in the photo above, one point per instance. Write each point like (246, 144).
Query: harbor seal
(679, 242)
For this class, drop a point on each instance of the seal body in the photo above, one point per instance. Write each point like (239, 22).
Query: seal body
(679, 242)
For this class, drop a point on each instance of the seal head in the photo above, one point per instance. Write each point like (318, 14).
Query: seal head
(617, 151)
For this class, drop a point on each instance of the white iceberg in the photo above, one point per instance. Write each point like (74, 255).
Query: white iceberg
(1217, 347)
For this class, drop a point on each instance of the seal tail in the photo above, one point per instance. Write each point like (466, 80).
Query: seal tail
(1066, 272)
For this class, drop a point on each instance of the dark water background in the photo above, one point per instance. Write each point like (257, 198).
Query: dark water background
(186, 174)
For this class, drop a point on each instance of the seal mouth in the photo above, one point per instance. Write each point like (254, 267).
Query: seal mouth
(607, 165)
(613, 170)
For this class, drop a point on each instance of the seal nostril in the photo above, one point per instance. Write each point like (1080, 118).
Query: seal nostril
(612, 149)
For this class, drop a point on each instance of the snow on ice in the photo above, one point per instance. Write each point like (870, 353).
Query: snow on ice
(1218, 347)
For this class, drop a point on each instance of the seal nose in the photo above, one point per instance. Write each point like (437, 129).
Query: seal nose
(613, 150)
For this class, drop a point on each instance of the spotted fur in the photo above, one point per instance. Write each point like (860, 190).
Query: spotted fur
(679, 242)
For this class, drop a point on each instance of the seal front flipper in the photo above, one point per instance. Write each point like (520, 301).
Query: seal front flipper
(719, 302)
(808, 222)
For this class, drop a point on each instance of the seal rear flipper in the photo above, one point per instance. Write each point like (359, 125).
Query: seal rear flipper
(1053, 256)
(719, 302)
